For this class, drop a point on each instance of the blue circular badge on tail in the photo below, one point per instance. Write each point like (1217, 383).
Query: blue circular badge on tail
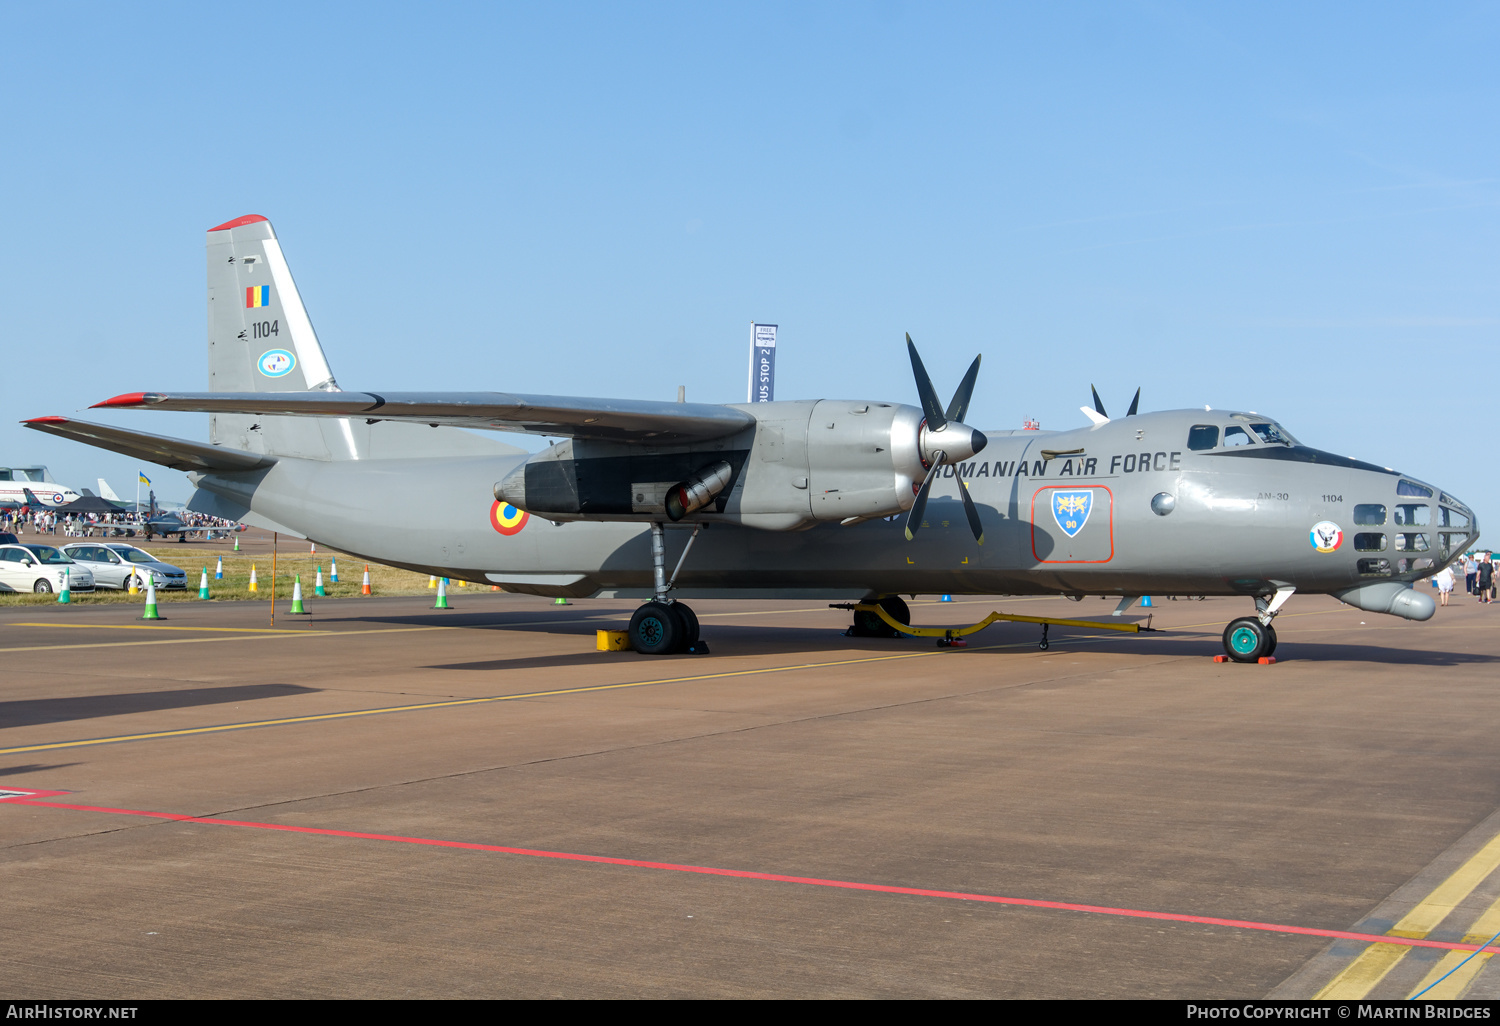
(278, 363)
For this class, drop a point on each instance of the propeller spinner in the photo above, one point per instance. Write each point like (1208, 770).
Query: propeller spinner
(945, 439)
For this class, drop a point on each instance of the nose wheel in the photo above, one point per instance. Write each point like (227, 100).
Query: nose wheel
(1247, 640)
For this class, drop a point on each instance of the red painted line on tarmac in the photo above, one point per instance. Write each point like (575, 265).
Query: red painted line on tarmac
(743, 874)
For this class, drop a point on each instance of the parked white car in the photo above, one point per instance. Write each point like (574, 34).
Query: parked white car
(41, 568)
(113, 563)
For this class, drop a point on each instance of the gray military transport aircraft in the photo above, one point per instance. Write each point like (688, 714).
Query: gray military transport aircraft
(834, 498)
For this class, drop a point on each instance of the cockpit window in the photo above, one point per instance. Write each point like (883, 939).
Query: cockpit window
(1203, 436)
(1413, 514)
(1406, 487)
(1234, 436)
(1273, 433)
(1453, 518)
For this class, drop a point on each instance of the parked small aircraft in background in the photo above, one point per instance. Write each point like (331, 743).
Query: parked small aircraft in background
(843, 499)
(14, 482)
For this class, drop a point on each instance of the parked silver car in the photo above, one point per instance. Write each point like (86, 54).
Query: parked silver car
(41, 568)
(113, 563)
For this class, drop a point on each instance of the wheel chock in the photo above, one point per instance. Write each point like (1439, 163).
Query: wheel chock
(1217, 659)
(699, 647)
(1266, 660)
(612, 641)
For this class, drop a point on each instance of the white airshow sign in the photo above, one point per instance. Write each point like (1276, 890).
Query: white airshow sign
(762, 363)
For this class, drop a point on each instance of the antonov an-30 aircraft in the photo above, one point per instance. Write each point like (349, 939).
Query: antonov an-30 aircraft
(833, 498)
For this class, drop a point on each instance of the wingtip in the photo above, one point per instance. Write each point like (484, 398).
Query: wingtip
(46, 420)
(130, 399)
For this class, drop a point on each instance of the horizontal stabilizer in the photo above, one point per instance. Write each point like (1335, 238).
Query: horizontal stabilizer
(619, 420)
(177, 453)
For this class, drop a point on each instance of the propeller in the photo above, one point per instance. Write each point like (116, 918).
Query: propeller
(944, 439)
(1099, 403)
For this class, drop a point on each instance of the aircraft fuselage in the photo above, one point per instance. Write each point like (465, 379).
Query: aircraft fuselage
(1135, 506)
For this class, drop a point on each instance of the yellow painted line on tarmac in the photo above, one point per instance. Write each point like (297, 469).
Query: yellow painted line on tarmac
(167, 627)
(456, 702)
(1362, 975)
(1483, 928)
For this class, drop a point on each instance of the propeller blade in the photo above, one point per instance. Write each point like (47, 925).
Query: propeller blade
(1134, 404)
(1098, 403)
(973, 514)
(958, 408)
(931, 408)
(914, 517)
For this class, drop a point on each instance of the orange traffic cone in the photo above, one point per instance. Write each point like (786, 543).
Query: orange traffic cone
(365, 588)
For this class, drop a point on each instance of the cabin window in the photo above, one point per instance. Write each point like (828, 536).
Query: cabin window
(1453, 543)
(1369, 514)
(1412, 488)
(1203, 436)
(1413, 515)
(1369, 543)
(1413, 542)
(1234, 436)
(1404, 565)
(1375, 567)
(1451, 518)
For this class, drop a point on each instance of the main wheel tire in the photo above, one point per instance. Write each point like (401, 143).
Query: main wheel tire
(656, 629)
(42, 587)
(1246, 639)
(689, 625)
(1271, 647)
(896, 607)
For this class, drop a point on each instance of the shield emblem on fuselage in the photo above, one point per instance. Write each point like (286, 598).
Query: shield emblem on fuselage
(1071, 510)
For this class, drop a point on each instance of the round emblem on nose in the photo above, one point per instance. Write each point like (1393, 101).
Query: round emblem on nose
(1326, 536)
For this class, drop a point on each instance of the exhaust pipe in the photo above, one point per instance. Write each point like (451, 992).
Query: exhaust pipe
(698, 491)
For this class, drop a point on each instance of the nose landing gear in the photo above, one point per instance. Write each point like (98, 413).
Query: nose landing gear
(1247, 640)
(1250, 639)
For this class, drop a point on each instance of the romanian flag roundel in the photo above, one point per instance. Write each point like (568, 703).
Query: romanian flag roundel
(506, 519)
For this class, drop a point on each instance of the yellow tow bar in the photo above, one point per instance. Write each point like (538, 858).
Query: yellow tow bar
(954, 635)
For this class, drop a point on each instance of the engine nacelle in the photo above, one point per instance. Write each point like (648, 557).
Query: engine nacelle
(802, 462)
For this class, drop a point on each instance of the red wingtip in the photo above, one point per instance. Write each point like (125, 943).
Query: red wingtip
(247, 219)
(46, 420)
(128, 399)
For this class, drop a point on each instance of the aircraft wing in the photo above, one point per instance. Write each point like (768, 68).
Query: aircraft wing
(177, 453)
(618, 420)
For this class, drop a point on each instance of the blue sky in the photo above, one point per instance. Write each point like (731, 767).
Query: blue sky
(1289, 208)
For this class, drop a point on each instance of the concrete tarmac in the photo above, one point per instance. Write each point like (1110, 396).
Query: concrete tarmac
(383, 800)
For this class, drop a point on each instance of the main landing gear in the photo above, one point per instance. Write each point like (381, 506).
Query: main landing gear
(1252, 638)
(868, 625)
(662, 626)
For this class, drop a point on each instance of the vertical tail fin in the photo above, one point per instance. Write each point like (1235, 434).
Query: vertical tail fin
(106, 492)
(260, 339)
